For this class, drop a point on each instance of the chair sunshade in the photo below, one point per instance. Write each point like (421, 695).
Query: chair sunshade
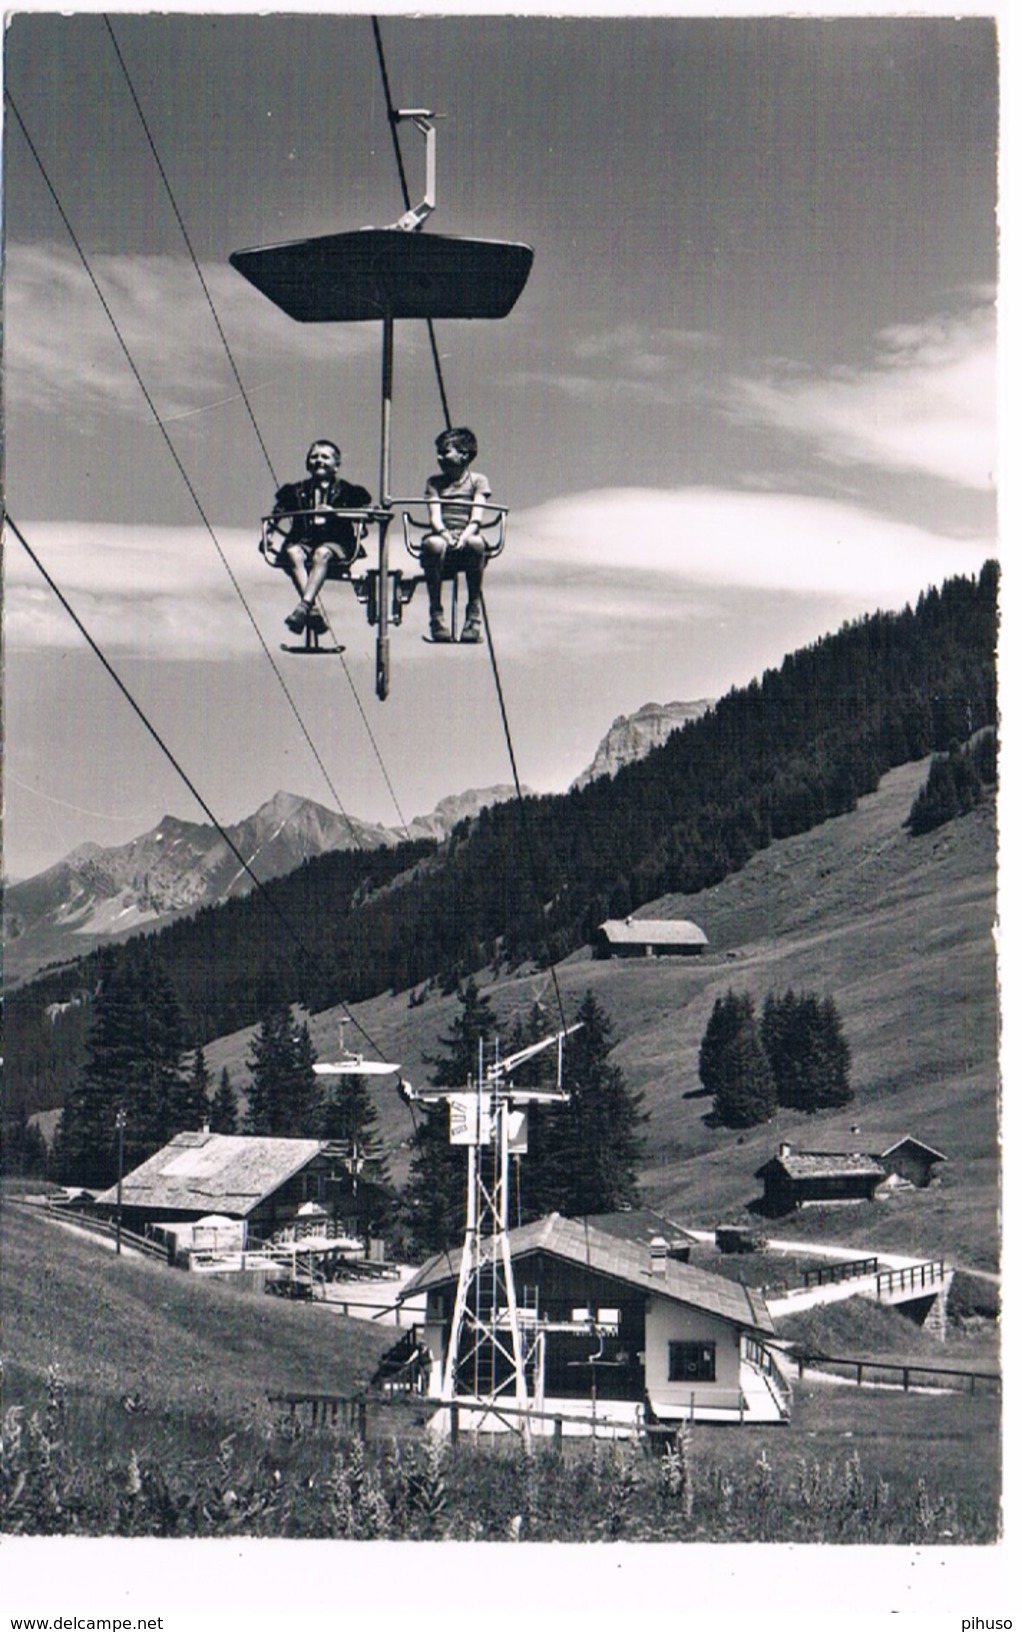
(355, 277)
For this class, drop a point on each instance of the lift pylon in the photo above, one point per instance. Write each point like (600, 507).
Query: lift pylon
(488, 1353)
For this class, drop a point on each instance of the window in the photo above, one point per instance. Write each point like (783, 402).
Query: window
(691, 1362)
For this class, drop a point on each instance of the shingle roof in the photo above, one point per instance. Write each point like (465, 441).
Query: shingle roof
(814, 1164)
(207, 1172)
(579, 1241)
(649, 931)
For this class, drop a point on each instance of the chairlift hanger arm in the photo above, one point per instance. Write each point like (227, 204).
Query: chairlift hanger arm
(422, 118)
(501, 1067)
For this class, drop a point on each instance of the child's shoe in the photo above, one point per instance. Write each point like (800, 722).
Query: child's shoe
(296, 620)
(316, 622)
(472, 633)
(438, 630)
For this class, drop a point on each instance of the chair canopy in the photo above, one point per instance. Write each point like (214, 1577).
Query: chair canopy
(354, 277)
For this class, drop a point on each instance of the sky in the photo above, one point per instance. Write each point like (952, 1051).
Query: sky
(749, 391)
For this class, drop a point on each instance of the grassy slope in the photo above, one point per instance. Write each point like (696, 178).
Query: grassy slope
(898, 929)
(127, 1325)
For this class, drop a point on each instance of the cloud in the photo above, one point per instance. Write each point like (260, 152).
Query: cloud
(158, 591)
(617, 564)
(62, 353)
(755, 540)
(661, 366)
(925, 403)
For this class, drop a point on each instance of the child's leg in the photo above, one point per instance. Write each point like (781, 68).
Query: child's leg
(434, 549)
(473, 556)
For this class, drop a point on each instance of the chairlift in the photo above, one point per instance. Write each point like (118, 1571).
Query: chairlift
(385, 274)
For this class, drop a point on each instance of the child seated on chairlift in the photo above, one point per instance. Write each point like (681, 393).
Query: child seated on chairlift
(456, 497)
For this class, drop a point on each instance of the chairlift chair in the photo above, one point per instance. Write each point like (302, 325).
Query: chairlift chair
(386, 273)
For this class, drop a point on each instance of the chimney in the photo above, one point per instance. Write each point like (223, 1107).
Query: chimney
(658, 1256)
(783, 1149)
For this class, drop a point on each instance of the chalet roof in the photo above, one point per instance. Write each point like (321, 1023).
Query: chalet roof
(641, 1224)
(580, 1241)
(917, 1144)
(817, 1164)
(646, 931)
(214, 1172)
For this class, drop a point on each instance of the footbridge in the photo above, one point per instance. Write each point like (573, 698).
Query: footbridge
(919, 1284)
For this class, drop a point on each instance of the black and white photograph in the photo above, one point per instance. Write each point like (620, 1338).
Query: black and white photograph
(503, 932)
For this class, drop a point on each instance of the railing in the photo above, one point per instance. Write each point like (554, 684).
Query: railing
(758, 1355)
(904, 1369)
(824, 1274)
(913, 1277)
(109, 1231)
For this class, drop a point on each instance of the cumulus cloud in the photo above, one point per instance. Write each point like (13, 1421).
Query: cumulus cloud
(61, 351)
(925, 402)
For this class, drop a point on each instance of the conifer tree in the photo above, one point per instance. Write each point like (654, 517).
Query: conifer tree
(223, 1111)
(192, 1107)
(133, 1055)
(282, 1095)
(434, 1203)
(807, 1050)
(346, 1113)
(597, 1153)
(725, 1022)
(745, 1093)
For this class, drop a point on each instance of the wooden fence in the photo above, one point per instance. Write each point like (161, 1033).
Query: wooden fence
(825, 1274)
(904, 1370)
(913, 1278)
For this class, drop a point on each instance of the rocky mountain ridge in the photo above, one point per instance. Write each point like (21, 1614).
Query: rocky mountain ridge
(632, 736)
(98, 893)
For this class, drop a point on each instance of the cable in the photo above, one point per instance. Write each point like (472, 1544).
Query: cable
(184, 233)
(251, 414)
(310, 958)
(529, 852)
(180, 467)
(392, 120)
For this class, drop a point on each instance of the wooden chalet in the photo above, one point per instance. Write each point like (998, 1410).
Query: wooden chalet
(616, 1326)
(912, 1161)
(649, 938)
(269, 1185)
(797, 1178)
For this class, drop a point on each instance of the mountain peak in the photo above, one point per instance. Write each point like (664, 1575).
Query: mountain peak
(632, 736)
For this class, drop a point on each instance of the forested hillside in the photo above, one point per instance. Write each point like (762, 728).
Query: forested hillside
(532, 881)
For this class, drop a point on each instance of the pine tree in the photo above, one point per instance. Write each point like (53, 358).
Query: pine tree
(223, 1111)
(132, 1060)
(724, 1024)
(434, 1203)
(808, 1054)
(584, 1158)
(193, 1106)
(283, 1093)
(604, 1116)
(835, 1087)
(745, 1094)
(346, 1113)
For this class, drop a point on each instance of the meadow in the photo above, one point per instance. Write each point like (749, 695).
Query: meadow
(136, 1403)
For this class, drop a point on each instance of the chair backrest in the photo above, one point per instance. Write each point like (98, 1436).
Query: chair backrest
(416, 524)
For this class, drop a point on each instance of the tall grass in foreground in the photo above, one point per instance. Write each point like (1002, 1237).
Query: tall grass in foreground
(270, 1479)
